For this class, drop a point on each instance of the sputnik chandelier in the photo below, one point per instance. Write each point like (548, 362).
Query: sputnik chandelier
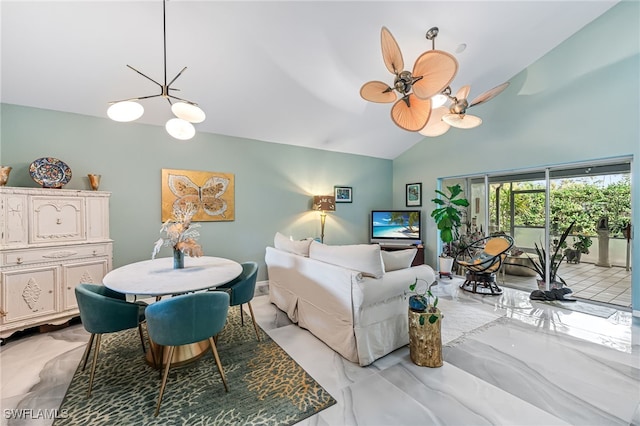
(186, 112)
(424, 90)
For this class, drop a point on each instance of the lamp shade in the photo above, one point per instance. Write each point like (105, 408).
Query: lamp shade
(189, 112)
(325, 203)
(180, 129)
(125, 111)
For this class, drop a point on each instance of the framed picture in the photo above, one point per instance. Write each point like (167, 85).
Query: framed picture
(344, 194)
(212, 193)
(414, 195)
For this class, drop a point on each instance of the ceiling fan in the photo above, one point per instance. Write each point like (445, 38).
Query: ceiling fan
(432, 73)
(442, 118)
(456, 113)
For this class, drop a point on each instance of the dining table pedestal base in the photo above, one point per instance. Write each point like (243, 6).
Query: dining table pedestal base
(181, 355)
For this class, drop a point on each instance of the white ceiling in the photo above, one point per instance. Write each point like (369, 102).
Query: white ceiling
(278, 71)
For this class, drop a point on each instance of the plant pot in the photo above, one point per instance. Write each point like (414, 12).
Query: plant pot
(425, 338)
(446, 263)
(542, 285)
(418, 303)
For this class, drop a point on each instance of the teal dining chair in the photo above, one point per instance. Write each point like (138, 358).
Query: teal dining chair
(242, 289)
(186, 319)
(105, 311)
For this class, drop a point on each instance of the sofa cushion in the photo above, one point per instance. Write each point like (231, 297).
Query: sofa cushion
(364, 258)
(284, 243)
(398, 259)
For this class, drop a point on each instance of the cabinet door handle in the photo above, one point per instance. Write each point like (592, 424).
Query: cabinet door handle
(58, 221)
(95, 253)
(3, 313)
(19, 260)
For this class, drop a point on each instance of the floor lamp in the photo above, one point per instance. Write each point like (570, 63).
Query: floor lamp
(323, 204)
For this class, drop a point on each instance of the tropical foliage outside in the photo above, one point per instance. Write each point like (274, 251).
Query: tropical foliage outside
(584, 201)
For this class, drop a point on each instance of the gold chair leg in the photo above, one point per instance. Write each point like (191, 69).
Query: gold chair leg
(87, 351)
(144, 349)
(153, 353)
(93, 365)
(253, 317)
(164, 380)
(217, 358)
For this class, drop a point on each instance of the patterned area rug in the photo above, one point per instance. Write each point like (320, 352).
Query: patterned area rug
(266, 386)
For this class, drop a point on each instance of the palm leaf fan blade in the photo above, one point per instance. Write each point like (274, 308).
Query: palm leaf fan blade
(463, 92)
(489, 94)
(437, 69)
(435, 126)
(377, 91)
(411, 113)
(462, 121)
(391, 53)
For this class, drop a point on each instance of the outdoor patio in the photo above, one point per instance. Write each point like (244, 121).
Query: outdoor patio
(589, 282)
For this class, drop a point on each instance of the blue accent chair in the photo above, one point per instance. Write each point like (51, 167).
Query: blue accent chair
(186, 319)
(242, 290)
(105, 311)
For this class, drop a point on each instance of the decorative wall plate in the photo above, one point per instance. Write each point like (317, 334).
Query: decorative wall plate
(50, 172)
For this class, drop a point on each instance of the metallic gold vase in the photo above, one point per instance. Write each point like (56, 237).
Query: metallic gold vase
(94, 181)
(4, 175)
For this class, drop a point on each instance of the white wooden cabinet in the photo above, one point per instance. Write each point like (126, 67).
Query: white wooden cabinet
(50, 241)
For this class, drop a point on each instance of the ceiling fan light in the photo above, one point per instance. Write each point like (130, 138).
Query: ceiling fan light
(438, 100)
(125, 111)
(180, 129)
(188, 112)
(460, 121)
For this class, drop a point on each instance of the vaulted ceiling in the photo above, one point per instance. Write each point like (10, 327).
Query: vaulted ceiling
(278, 71)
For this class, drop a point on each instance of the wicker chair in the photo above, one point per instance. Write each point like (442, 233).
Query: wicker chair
(482, 259)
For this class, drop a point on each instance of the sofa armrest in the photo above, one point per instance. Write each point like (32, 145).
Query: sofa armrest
(393, 283)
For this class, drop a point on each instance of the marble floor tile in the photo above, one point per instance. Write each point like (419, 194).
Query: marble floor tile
(529, 364)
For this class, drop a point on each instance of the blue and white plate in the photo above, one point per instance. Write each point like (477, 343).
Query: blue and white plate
(50, 172)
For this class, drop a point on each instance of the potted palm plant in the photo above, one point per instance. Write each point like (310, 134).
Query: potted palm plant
(448, 217)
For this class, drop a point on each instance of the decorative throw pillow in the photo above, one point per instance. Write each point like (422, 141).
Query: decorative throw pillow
(287, 244)
(364, 258)
(399, 259)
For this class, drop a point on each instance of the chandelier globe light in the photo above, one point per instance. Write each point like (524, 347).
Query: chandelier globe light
(180, 129)
(186, 111)
(125, 111)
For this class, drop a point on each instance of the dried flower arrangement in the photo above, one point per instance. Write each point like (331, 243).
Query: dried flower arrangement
(180, 233)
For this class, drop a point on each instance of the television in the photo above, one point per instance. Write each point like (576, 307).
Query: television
(396, 227)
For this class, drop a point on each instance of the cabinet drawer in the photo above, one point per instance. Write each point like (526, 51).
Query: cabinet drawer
(52, 254)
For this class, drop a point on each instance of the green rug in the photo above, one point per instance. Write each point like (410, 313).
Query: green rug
(266, 386)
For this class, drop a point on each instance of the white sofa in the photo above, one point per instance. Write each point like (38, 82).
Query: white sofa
(344, 295)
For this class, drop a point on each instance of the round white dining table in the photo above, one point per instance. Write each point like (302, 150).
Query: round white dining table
(158, 278)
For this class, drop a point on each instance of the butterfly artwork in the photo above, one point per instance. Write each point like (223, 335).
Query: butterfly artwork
(211, 193)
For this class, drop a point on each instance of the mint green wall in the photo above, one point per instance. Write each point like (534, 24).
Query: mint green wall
(578, 103)
(274, 183)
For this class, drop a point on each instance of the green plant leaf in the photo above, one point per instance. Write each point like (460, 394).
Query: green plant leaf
(421, 319)
(463, 202)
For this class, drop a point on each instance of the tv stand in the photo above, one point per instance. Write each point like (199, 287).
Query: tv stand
(418, 260)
